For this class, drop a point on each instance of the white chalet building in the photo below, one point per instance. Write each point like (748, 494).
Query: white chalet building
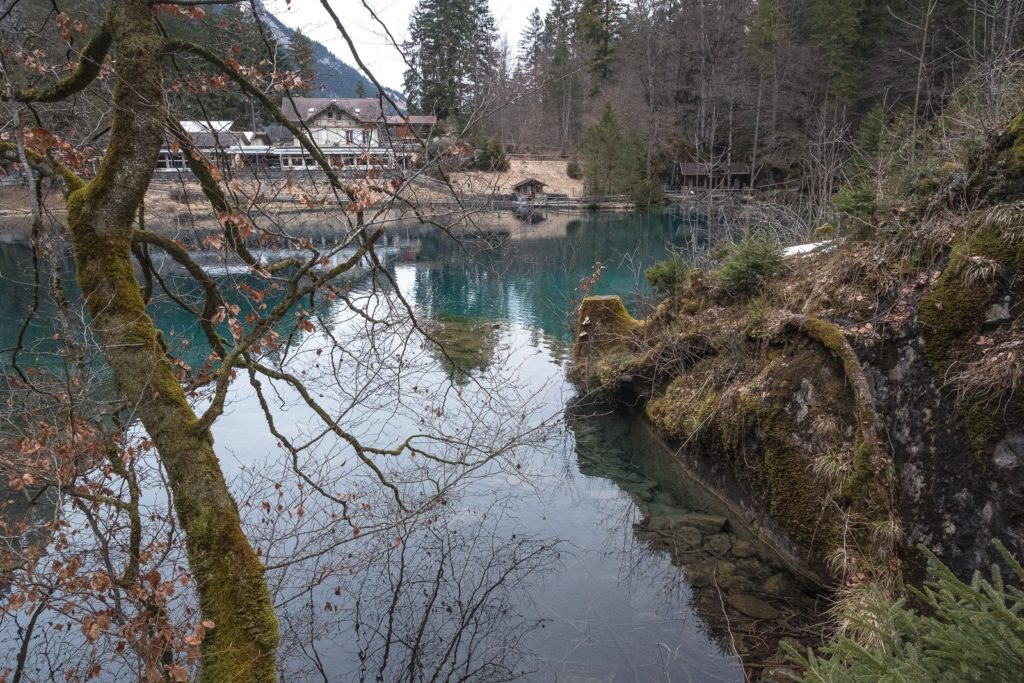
(354, 135)
(348, 131)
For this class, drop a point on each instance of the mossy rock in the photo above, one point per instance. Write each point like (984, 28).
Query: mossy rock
(999, 175)
(603, 323)
(685, 408)
(952, 315)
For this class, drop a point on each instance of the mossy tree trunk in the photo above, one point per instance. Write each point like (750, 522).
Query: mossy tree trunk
(229, 576)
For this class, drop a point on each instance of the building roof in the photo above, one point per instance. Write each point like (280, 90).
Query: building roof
(254, 137)
(364, 109)
(278, 134)
(528, 181)
(412, 120)
(206, 126)
(207, 140)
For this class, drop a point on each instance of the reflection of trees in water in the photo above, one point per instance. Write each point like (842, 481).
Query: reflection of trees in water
(532, 276)
(439, 601)
(745, 596)
(466, 344)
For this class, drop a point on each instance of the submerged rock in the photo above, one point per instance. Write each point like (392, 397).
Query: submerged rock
(742, 549)
(755, 608)
(777, 585)
(706, 524)
(719, 544)
(686, 536)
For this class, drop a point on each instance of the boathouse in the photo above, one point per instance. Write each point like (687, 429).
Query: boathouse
(529, 190)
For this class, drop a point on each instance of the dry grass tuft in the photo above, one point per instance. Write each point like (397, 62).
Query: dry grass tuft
(832, 466)
(1008, 219)
(993, 378)
(979, 270)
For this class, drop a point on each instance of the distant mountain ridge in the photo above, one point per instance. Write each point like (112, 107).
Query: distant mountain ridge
(334, 78)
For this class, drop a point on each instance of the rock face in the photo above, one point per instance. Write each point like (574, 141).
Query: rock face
(953, 499)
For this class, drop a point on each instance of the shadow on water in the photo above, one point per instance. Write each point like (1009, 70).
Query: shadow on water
(743, 591)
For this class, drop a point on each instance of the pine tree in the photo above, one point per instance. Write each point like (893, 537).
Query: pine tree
(836, 28)
(360, 89)
(611, 156)
(562, 91)
(766, 30)
(451, 49)
(531, 45)
(483, 55)
(960, 632)
(597, 23)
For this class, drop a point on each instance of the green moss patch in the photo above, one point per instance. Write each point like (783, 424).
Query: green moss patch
(982, 266)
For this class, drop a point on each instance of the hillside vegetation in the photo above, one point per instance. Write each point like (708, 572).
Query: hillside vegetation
(864, 397)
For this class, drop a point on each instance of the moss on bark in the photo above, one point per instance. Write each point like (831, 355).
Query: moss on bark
(228, 574)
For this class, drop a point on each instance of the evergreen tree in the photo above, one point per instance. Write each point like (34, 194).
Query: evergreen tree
(483, 55)
(596, 29)
(611, 156)
(766, 30)
(360, 89)
(836, 28)
(562, 92)
(958, 631)
(766, 34)
(531, 45)
(451, 50)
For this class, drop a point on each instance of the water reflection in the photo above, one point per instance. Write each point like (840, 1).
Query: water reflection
(744, 592)
(557, 563)
(448, 598)
(466, 345)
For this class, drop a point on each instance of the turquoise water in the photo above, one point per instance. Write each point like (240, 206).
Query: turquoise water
(561, 560)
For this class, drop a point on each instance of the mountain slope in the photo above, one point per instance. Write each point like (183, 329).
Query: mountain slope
(334, 78)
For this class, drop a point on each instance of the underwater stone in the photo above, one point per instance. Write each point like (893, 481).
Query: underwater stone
(742, 549)
(755, 608)
(719, 544)
(687, 536)
(752, 567)
(701, 574)
(736, 583)
(706, 524)
(776, 585)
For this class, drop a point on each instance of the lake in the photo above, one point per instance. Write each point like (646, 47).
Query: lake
(582, 553)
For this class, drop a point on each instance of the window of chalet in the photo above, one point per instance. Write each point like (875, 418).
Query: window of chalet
(349, 137)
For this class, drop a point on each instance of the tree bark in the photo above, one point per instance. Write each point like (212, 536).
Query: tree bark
(228, 574)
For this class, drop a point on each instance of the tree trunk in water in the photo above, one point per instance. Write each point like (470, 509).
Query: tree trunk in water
(228, 574)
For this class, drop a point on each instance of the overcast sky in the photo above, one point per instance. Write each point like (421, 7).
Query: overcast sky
(373, 45)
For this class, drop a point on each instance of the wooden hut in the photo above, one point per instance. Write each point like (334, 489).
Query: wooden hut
(529, 190)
